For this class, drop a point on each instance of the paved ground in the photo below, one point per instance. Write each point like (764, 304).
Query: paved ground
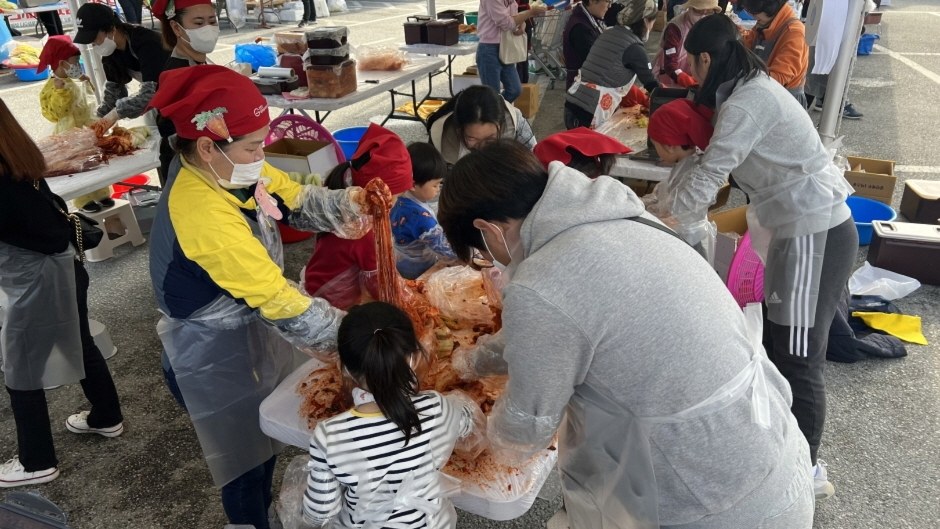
(883, 415)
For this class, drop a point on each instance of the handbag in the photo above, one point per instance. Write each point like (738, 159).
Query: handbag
(513, 48)
(87, 234)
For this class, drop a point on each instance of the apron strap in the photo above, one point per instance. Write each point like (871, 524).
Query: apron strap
(658, 226)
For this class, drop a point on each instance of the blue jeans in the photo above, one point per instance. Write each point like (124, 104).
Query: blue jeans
(492, 72)
(247, 498)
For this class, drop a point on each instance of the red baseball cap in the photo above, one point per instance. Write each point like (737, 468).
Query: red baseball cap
(389, 160)
(166, 9)
(210, 100)
(682, 122)
(58, 48)
(554, 148)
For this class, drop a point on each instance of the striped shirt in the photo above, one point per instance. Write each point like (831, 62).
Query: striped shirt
(363, 455)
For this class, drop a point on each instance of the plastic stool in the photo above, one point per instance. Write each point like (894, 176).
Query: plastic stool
(122, 211)
(102, 338)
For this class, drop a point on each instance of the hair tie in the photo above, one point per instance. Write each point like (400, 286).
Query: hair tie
(376, 331)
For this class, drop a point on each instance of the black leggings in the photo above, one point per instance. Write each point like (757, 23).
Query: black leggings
(31, 412)
(806, 374)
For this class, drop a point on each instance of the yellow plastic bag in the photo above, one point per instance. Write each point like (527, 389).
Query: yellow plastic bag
(904, 327)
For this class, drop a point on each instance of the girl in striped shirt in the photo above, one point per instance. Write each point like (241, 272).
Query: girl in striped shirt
(377, 465)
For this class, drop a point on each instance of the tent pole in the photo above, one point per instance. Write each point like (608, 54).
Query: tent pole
(839, 76)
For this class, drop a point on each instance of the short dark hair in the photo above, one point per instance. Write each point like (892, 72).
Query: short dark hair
(187, 147)
(376, 341)
(498, 182)
(730, 59)
(427, 164)
(768, 7)
(474, 104)
(591, 166)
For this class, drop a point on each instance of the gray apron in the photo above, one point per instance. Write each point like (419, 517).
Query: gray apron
(763, 49)
(226, 361)
(613, 485)
(41, 339)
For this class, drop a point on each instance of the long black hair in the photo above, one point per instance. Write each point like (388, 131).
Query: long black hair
(376, 342)
(474, 104)
(730, 59)
(501, 181)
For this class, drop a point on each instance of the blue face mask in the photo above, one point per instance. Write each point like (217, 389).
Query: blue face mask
(496, 263)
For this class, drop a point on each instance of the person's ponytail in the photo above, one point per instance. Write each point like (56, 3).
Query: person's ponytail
(336, 179)
(730, 59)
(376, 342)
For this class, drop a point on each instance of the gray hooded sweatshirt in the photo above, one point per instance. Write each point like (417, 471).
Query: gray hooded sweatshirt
(635, 314)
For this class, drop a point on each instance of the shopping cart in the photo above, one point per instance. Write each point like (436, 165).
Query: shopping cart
(546, 48)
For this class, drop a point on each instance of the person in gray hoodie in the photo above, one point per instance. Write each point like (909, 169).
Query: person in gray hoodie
(797, 217)
(673, 415)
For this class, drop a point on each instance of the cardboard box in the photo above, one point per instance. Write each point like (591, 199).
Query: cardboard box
(528, 101)
(872, 178)
(660, 23)
(465, 81)
(301, 156)
(732, 225)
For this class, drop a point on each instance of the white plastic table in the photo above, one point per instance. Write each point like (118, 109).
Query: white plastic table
(370, 84)
(436, 50)
(35, 10)
(117, 169)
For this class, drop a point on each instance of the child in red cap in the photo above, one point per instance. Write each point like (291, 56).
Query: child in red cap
(337, 264)
(680, 131)
(64, 102)
(582, 149)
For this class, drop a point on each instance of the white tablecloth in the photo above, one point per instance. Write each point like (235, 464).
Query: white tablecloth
(417, 68)
(117, 169)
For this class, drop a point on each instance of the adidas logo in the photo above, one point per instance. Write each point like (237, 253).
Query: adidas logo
(774, 299)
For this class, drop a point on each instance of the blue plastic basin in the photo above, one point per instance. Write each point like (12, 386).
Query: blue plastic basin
(29, 74)
(865, 210)
(348, 139)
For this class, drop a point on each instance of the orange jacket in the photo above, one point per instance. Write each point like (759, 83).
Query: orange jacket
(790, 57)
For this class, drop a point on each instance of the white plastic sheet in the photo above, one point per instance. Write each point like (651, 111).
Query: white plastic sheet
(872, 281)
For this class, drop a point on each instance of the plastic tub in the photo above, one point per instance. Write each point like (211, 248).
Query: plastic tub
(866, 43)
(348, 139)
(27, 73)
(471, 17)
(865, 210)
(117, 190)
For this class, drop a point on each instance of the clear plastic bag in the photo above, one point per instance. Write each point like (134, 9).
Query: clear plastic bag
(71, 152)
(237, 12)
(458, 294)
(474, 442)
(873, 281)
(380, 58)
(291, 499)
(337, 6)
(485, 358)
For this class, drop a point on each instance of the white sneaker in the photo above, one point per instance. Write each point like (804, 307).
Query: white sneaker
(824, 489)
(78, 423)
(12, 474)
(816, 106)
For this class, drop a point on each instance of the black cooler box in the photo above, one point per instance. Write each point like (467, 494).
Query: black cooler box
(909, 249)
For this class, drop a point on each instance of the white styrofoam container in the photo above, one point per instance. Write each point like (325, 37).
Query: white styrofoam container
(293, 5)
(280, 419)
(291, 15)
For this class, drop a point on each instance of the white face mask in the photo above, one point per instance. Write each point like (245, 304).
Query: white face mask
(202, 39)
(243, 174)
(105, 48)
(496, 263)
(74, 71)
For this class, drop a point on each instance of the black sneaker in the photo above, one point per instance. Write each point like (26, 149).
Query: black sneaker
(91, 207)
(107, 202)
(302, 24)
(849, 112)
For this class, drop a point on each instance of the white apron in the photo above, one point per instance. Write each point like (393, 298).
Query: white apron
(614, 486)
(608, 100)
(41, 339)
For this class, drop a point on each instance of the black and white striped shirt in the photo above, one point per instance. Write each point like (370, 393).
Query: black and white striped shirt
(355, 453)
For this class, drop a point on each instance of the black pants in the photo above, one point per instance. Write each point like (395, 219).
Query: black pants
(576, 116)
(52, 22)
(806, 375)
(31, 413)
(310, 11)
(133, 10)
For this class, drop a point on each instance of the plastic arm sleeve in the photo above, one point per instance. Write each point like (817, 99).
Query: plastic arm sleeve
(437, 242)
(318, 209)
(483, 359)
(322, 497)
(315, 327)
(113, 92)
(524, 134)
(735, 135)
(471, 435)
(133, 107)
(516, 436)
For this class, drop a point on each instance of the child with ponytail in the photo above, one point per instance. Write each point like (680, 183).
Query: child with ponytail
(378, 463)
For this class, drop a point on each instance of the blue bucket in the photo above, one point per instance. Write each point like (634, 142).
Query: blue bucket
(29, 74)
(866, 43)
(348, 139)
(865, 210)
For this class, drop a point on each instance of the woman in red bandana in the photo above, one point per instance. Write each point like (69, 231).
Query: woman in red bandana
(216, 264)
